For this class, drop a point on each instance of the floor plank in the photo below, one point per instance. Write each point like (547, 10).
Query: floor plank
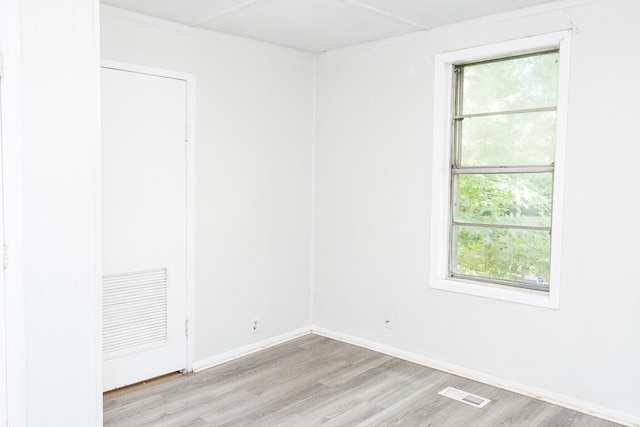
(313, 381)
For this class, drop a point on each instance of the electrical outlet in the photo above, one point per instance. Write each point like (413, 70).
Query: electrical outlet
(255, 325)
(388, 320)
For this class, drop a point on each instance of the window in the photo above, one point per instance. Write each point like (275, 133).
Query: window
(502, 164)
(499, 136)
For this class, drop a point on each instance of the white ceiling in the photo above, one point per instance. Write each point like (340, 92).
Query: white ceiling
(319, 25)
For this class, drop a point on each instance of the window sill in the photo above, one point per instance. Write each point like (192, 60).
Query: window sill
(497, 292)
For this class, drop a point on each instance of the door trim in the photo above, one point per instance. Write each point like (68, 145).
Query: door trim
(190, 239)
(15, 335)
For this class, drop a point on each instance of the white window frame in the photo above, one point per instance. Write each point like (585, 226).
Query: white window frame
(441, 176)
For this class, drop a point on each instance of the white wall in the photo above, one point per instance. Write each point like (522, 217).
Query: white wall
(253, 174)
(59, 147)
(374, 112)
(372, 214)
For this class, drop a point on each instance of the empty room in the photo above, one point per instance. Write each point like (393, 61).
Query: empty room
(306, 212)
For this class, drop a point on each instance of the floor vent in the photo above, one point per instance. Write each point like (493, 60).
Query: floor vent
(463, 396)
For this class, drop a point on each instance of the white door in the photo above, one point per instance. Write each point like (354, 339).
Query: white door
(143, 226)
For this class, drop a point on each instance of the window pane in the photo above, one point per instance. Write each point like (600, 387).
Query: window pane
(509, 140)
(512, 84)
(504, 254)
(508, 199)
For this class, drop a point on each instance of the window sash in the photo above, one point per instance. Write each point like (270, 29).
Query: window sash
(503, 113)
(457, 169)
(453, 247)
(513, 284)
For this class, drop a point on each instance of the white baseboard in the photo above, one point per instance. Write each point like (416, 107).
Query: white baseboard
(544, 395)
(248, 349)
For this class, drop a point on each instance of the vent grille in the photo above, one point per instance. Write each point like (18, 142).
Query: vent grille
(463, 396)
(134, 310)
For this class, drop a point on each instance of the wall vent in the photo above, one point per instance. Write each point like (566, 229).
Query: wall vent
(134, 310)
(463, 396)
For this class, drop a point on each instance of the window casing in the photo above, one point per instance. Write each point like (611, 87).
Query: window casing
(498, 169)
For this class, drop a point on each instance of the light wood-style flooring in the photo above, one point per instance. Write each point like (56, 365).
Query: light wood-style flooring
(313, 381)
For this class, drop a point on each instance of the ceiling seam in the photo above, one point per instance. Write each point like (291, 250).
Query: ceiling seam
(225, 12)
(386, 14)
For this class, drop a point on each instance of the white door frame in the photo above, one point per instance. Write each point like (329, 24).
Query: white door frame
(12, 181)
(190, 190)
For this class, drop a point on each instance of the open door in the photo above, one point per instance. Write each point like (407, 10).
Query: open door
(143, 226)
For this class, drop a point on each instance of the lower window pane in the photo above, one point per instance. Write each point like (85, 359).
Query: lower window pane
(509, 199)
(516, 255)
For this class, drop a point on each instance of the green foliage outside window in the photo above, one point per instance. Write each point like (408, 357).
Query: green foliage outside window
(504, 253)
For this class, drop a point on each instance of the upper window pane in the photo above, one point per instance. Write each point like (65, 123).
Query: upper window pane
(509, 139)
(511, 84)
